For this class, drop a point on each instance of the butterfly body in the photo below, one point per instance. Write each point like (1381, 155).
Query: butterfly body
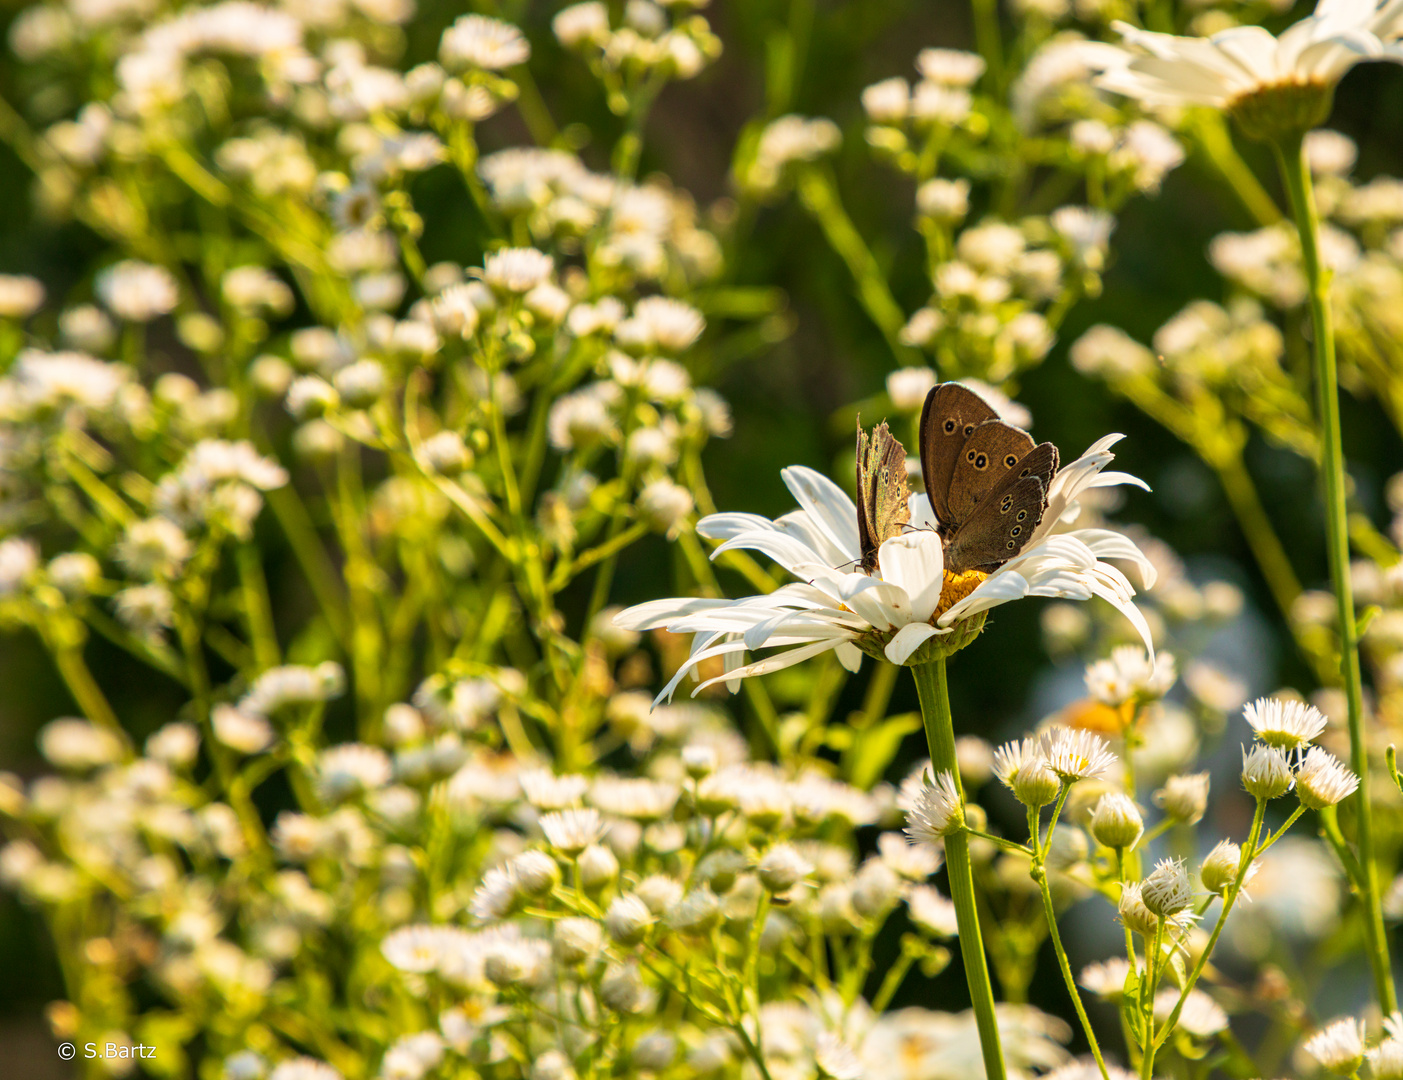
(987, 480)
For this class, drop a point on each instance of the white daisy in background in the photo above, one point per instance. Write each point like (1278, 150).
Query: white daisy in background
(1269, 83)
(909, 599)
(1339, 1047)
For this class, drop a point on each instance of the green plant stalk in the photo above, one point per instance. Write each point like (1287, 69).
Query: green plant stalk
(1295, 174)
(819, 193)
(933, 690)
(1039, 874)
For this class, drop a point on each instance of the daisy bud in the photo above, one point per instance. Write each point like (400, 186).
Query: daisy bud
(1116, 822)
(1265, 772)
(654, 1051)
(1322, 780)
(1338, 1047)
(552, 1065)
(659, 892)
(361, 384)
(1219, 869)
(598, 867)
(696, 913)
(876, 889)
(1184, 798)
(536, 873)
(577, 940)
(628, 919)
(1035, 784)
(663, 504)
(1167, 891)
(719, 869)
(1134, 913)
(621, 989)
(782, 868)
(446, 453)
(699, 760)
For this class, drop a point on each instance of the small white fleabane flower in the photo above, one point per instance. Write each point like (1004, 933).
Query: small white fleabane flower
(1339, 1047)
(516, 270)
(137, 291)
(546, 791)
(1284, 723)
(1201, 1016)
(932, 911)
(571, 831)
(1386, 1059)
(1106, 979)
(1076, 754)
(836, 1059)
(935, 811)
(1130, 672)
(478, 41)
(1323, 780)
(304, 1068)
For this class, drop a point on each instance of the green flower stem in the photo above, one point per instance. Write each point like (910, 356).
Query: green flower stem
(1038, 873)
(1040, 876)
(819, 193)
(1249, 853)
(1215, 140)
(934, 693)
(1295, 174)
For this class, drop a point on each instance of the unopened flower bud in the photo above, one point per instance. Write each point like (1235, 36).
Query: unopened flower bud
(1116, 821)
(699, 760)
(654, 1051)
(696, 913)
(1134, 913)
(720, 868)
(876, 889)
(1184, 798)
(1265, 772)
(782, 868)
(361, 384)
(663, 504)
(536, 873)
(628, 919)
(577, 940)
(598, 866)
(1035, 784)
(621, 989)
(1219, 869)
(1167, 891)
(446, 453)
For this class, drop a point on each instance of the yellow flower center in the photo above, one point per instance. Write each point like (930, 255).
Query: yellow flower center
(956, 588)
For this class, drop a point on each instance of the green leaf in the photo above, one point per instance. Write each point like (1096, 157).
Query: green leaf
(874, 749)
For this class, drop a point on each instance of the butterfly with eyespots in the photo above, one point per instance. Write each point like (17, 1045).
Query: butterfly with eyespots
(986, 479)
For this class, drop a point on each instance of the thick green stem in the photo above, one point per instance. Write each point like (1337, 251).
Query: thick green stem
(1295, 173)
(940, 737)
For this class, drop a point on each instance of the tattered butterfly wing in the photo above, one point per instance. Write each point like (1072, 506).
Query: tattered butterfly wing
(883, 494)
(999, 527)
(991, 453)
(950, 415)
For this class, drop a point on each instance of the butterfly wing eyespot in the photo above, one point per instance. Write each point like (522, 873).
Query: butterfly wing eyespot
(1011, 460)
(1017, 530)
(1022, 515)
(949, 427)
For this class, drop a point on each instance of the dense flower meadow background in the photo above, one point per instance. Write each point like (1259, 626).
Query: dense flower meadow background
(359, 361)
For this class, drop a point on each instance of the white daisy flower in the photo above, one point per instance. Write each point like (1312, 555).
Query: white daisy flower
(478, 41)
(1076, 754)
(909, 599)
(571, 831)
(1269, 83)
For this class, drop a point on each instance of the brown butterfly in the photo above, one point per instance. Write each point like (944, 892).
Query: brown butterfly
(883, 494)
(987, 481)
